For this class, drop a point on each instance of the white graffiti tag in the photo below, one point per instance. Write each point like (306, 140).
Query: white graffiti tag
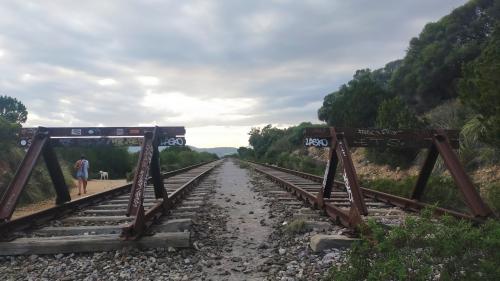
(316, 142)
(326, 173)
(173, 142)
(347, 186)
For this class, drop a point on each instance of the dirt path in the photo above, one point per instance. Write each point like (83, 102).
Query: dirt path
(93, 187)
(246, 231)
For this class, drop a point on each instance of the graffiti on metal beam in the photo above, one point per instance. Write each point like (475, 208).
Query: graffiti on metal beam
(347, 186)
(173, 142)
(105, 141)
(316, 142)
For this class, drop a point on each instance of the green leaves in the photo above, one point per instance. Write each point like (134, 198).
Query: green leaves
(425, 249)
(434, 60)
(174, 158)
(355, 104)
(12, 110)
(480, 89)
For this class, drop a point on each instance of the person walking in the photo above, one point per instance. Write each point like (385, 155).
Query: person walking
(82, 174)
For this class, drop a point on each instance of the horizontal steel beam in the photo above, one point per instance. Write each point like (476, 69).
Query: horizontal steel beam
(363, 137)
(105, 141)
(102, 131)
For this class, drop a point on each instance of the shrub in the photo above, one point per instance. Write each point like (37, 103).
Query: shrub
(296, 226)
(7, 134)
(174, 158)
(439, 190)
(394, 114)
(424, 249)
(479, 88)
(493, 196)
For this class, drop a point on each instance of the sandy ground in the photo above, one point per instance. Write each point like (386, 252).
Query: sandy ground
(93, 187)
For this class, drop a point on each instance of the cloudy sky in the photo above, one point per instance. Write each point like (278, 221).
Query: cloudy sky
(216, 67)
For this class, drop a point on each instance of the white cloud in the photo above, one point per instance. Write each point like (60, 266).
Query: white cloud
(211, 136)
(106, 82)
(26, 77)
(217, 67)
(189, 109)
(148, 80)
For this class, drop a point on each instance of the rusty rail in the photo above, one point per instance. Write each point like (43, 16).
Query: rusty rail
(41, 217)
(439, 142)
(405, 203)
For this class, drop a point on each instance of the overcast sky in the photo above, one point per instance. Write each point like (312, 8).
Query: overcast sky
(216, 67)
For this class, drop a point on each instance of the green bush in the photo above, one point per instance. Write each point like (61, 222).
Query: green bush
(40, 186)
(117, 161)
(296, 226)
(439, 190)
(424, 249)
(480, 88)
(355, 103)
(493, 197)
(7, 134)
(282, 147)
(174, 158)
(395, 114)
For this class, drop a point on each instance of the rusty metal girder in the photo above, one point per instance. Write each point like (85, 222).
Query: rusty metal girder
(464, 183)
(439, 142)
(103, 131)
(383, 138)
(106, 141)
(21, 177)
(351, 182)
(135, 205)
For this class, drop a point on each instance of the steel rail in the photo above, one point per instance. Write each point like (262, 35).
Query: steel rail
(41, 217)
(342, 216)
(334, 212)
(158, 209)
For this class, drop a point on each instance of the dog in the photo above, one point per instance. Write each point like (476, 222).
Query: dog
(104, 175)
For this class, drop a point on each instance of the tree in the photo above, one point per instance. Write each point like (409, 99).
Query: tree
(7, 134)
(261, 139)
(245, 153)
(433, 63)
(12, 110)
(395, 114)
(354, 104)
(480, 89)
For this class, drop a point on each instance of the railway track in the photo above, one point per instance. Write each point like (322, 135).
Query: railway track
(382, 207)
(95, 223)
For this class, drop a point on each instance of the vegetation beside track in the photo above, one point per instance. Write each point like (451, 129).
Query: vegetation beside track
(424, 249)
(12, 114)
(174, 158)
(282, 147)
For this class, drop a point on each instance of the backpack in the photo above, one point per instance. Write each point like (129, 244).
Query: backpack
(78, 164)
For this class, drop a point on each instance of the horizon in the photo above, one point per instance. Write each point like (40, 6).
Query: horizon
(218, 68)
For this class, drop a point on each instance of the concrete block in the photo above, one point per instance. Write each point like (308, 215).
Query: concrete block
(318, 225)
(321, 242)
